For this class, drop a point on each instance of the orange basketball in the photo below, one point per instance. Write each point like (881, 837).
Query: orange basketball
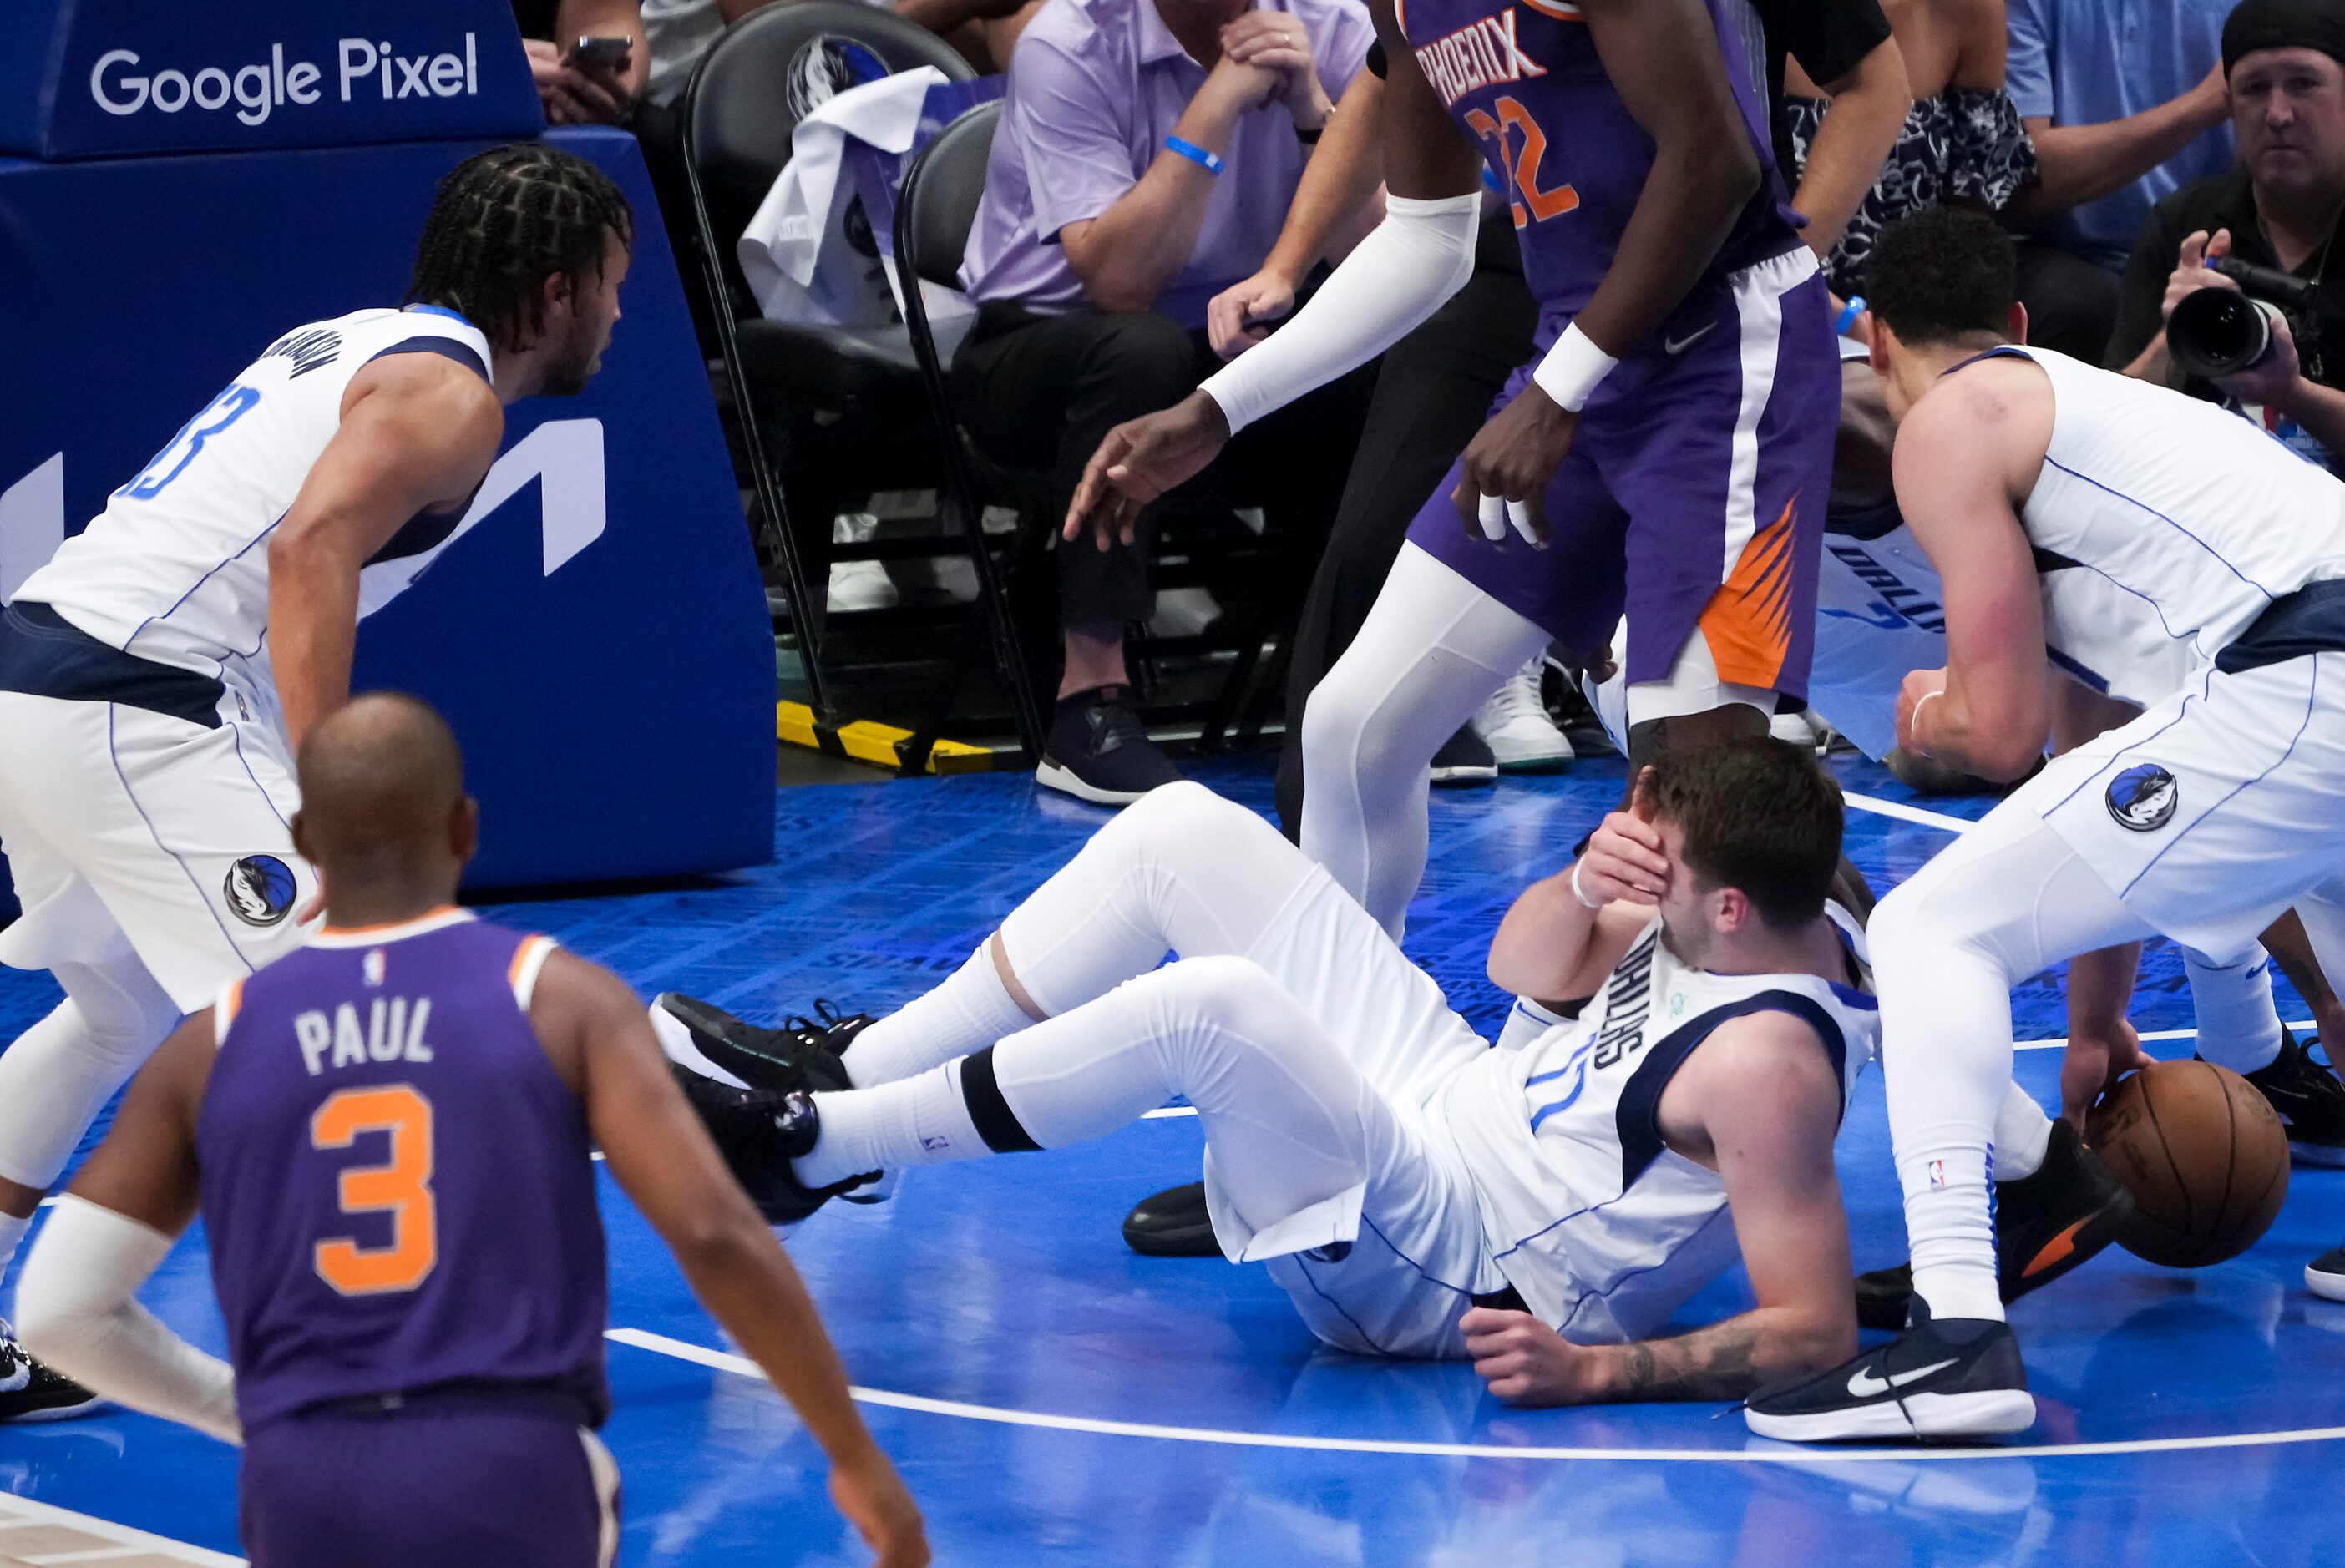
(2204, 1156)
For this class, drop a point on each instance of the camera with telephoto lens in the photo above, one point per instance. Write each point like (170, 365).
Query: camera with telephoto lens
(2217, 332)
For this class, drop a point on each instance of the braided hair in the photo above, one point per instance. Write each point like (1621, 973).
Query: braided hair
(506, 220)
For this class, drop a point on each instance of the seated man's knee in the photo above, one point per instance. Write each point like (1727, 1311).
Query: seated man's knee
(1141, 361)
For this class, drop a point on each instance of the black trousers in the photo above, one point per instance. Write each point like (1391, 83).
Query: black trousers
(1433, 394)
(1042, 392)
(2072, 303)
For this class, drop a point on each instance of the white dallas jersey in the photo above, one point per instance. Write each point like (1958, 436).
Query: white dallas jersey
(2161, 522)
(176, 569)
(1602, 1229)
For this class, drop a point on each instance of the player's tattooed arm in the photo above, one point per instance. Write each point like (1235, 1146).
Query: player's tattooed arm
(1525, 1363)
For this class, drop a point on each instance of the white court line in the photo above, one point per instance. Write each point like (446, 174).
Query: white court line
(683, 1351)
(1904, 812)
(109, 1542)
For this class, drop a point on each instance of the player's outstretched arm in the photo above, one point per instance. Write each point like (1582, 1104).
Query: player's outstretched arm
(77, 1306)
(418, 433)
(1761, 1094)
(1959, 464)
(593, 1026)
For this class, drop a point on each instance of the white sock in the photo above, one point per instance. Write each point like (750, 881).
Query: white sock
(1948, 1221)
(12, 1236)
(2022, 1136)
(968, 1012)
(2238, 1024)
(919, 1120)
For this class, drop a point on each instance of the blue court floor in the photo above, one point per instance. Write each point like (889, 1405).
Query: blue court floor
(1050, 1397)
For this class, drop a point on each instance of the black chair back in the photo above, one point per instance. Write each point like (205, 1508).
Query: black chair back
(942, 193)
(766, 74)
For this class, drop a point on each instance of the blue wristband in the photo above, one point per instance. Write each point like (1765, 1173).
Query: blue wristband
(1848, 315)
(1209, 162)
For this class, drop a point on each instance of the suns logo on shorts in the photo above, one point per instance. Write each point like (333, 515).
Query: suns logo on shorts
(2143, 797)
(260, 890)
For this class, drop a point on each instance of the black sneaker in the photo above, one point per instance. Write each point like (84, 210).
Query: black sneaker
(2310, 1101)
(1172, 1224)
(30, 1391)
(800, 1056)
(2325, 1275)
(1952, 1378)
(1465, 759)
(1097, 751)
(2044, 1225)
(759, 1132)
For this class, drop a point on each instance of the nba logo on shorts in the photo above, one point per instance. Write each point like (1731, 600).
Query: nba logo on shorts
(2143, 797)
(259, 890)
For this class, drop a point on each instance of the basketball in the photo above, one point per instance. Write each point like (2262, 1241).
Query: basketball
(2204, 1156)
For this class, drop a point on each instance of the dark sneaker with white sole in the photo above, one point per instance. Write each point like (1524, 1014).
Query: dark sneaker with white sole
(1097, 751)
(799, 1056)
(758, 1132)
(1952, 1378)
(30, 1391)
(2325, 1275)
(2045, 1224)
(1464, 760)
(2310, 1101)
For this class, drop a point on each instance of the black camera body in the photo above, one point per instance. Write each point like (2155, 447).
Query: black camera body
(2217, 332)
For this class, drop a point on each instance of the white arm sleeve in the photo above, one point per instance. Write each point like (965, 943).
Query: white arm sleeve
(1405, 271)
(77, 1310)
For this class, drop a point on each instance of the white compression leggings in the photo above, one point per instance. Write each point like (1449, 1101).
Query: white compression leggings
(1431, 651)
(56, 1075)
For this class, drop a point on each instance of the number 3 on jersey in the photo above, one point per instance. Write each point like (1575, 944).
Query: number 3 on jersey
(219, 414)
(1525, 176)
(402, 1188)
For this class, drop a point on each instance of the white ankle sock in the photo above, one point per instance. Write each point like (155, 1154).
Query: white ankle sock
(2238, 1025)
(1948, 1226)
(968, 1012)
(2022, 1136)
(919, 1120)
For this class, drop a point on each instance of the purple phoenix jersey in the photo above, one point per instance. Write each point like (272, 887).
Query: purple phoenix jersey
(1524, 79)
(397, 1183)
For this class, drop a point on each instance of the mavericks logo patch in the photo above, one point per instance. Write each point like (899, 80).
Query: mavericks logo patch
(260, 890)
(2143, 797)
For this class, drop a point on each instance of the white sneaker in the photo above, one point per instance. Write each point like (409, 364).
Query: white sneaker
(1514, 724)
(1805, 728)
(859, 585)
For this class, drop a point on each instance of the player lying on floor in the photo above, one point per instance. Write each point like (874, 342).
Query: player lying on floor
(1412, 1189)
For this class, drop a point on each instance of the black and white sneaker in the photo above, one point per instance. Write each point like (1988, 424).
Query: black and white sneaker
(1952, 1378)
(800, 1056)
(30, 1391)
(2310, 1101)
(759, 1133)
(2325, 1275)
(1097, 751)
(2046, 1223)
(1463, 759)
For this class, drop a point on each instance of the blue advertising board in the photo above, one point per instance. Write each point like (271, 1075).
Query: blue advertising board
(97, 78)
(598, 639)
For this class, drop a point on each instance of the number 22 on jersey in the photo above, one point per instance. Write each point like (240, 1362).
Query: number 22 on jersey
(1525, 166)
(401, 1187)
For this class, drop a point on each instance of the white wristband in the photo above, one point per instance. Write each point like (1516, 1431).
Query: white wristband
(1914, 722)
(1585, 902)
(1573, 369)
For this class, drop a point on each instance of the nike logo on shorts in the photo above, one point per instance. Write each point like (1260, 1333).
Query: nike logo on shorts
(1865, 1386)
(1679, 345)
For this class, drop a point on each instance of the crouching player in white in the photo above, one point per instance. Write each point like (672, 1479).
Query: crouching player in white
(1412, 1190)
(157, 675)
(2202, 820)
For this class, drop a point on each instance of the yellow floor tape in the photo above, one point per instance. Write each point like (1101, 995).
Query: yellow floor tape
(868, 741)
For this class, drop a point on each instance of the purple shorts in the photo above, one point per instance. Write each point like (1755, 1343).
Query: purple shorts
(453, 1489)
(1694, 495)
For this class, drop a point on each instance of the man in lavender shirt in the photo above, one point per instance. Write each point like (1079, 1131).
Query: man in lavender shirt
(1146, 159)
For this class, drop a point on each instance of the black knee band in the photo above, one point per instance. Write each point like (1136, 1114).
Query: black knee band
(996, 1123)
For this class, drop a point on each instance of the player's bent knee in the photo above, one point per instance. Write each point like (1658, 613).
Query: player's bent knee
(1215, 1005)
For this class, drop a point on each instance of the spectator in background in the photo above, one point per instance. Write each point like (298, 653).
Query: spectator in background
(2120, 97)
(573, 94)
(2279, 207)
(682, 30)
(1961, 144)
(1146, 156)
